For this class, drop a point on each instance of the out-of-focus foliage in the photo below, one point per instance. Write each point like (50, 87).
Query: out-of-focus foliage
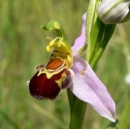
(22, 47)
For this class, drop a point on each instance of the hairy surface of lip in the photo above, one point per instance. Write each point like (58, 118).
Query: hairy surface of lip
(43, 87)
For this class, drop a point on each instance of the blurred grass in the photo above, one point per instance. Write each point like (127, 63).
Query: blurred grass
(23, 47)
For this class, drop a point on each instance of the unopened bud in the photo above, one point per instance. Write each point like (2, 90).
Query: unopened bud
(114, 11)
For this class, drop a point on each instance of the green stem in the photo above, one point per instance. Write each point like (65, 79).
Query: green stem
(90, 18)
(96, 36)
(71, 99)
(77, 108)
(78, 114)
(107, 35)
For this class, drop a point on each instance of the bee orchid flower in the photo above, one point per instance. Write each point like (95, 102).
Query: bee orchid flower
(67, 69)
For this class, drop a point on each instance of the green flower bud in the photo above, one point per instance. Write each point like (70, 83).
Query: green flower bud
(114, 11)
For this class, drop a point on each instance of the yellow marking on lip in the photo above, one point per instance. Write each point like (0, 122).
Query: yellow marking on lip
(59, 82)
(54, 67)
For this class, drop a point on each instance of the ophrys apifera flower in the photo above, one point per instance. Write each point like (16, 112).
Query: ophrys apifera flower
(67, 69)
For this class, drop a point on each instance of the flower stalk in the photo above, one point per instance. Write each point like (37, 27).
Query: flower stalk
(77, 108)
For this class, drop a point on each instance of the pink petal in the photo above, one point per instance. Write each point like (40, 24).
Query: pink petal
(87, 87)
(80, 42)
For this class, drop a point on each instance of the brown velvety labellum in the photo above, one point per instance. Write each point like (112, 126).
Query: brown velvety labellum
(43, 88)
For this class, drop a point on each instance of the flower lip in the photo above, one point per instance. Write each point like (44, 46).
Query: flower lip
(47, 83)
(56, 75)
(41, 88)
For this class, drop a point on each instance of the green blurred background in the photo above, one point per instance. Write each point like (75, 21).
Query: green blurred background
(22, 47)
